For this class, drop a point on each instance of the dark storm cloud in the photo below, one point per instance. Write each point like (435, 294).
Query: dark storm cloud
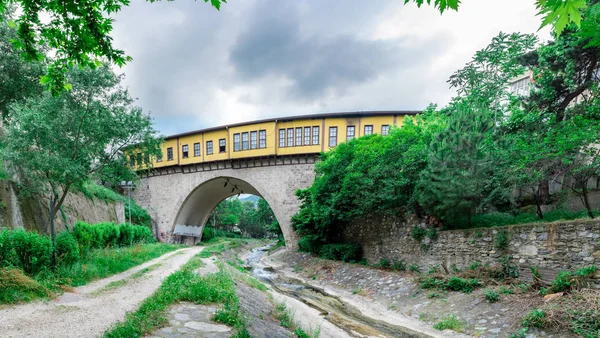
(273, 45)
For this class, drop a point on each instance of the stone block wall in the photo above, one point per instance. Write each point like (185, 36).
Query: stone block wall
(554, 246)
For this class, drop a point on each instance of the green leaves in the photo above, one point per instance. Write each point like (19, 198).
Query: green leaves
(78, 33)
(441, 5)
(560, 13)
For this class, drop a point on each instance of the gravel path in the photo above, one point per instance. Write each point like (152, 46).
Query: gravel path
(88, 312)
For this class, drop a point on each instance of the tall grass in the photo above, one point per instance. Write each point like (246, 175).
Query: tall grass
(502, 219)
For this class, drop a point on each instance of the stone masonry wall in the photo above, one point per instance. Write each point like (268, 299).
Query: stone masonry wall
(551, 246)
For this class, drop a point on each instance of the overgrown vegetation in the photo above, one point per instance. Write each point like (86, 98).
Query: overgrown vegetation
(450, 322)
(92, 252)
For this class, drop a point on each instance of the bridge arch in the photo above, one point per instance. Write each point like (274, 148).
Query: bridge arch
(187, 194)
(194, 209)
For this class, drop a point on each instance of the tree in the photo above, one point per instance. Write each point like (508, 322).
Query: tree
(462, 160)
(78, 33)
(558, 13)
(18, 79)
(54, 144)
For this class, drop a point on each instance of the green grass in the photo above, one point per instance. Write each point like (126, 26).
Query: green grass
(285, 316)
(16, 287)
(220, 245)
(450, 322)
(107, 262)
(145, 270)
(184, 285)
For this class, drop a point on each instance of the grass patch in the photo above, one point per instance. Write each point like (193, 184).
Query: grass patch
(285, 316)
(145, 271)
(16, 286)
(450, 322)
(220, 246)
(107, 262)
(184, 285)
(112, 286)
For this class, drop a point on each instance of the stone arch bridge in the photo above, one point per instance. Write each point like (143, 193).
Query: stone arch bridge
(187, 195)
(268, 158)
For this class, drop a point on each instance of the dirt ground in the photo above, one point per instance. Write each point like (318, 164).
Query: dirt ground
(93, 308)
(399, 292)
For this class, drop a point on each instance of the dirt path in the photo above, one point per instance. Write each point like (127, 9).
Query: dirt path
(92, 308)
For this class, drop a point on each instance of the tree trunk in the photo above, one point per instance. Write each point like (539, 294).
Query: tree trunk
(586, 201)
(538, 204)
(544, 191)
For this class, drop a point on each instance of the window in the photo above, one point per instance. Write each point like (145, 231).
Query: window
(281, 138)
(139, 158)
(252, 140)
(349, 133)
(332, 136)
(184, 151)
(315, 135)
(385, 130)
(244, 141)
(169, 154)
(131, 160)
(159, 157)
(262, 138)
(236, 142)
(369, 129)
(298, 136)
(209, 149)
(306, 136)
(146, 158)
(222, 145)
(290, 137)
(196, 149)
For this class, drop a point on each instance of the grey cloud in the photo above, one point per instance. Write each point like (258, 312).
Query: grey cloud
(274, 45)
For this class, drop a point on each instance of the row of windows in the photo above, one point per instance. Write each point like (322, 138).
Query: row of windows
(262, 140)
(351, 133)
(185, 150)
(258, 139)
(298, 136)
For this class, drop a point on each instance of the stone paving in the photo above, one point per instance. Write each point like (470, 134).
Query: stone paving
(193, 320)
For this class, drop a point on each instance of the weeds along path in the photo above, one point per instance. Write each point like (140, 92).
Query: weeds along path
(93, 308)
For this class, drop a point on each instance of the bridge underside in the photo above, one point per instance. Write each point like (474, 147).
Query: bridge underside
(187, 194)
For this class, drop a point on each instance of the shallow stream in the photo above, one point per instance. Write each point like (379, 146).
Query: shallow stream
(332, 308)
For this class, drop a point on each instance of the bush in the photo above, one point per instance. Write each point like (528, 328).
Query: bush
(501, 240)
(432, 282)
(463, 285)
(67, 250)
(384, 263)
(308, 244)
(418, 233)
(208, 233)
(491, 295)
(534, 318)
(33, 251)
(343, 252)
(7, 256)
(399, 265)
(562, 282)
(413, 267)
(450, 322)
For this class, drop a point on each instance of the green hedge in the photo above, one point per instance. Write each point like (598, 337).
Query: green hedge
(32, 252)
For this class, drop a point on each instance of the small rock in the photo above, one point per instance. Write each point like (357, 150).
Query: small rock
(496, 330)
(482, 321)
(182, 316)
(207, 327)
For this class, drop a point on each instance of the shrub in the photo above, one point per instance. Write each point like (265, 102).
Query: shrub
(34, 251)
(343, 252)
(501, 240)
(432, 234)
(433, 269)
(507, 270)
(308, 244)
(431, 282)
(208, 233)
(505, 291)
(399, 265)
(474, 266)
(66, 249)
(17, 287)
(562, 282)
(491, 295)
(450, 322)
(534, 318)
(384, 263)
(7, 257)
(418, 233)
(126, 234)
(464, 285)
(413, 267)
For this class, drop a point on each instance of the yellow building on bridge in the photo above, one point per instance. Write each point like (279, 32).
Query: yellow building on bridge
(293, 135)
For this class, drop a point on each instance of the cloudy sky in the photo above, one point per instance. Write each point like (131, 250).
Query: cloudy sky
(196, 67)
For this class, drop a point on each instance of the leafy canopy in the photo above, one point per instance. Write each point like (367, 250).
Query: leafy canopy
(78, 32)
